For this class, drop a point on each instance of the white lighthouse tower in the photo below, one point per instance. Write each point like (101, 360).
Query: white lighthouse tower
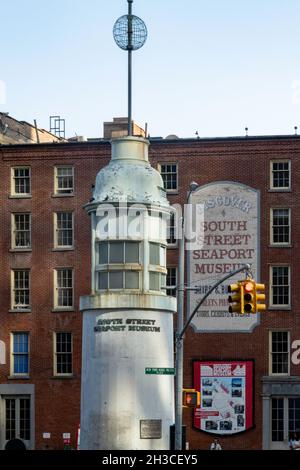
(127, 397)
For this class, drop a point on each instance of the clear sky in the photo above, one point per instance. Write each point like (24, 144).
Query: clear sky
(212, 66)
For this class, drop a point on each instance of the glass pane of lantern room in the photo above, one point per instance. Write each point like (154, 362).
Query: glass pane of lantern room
(116, 252)
(116, 280)
(103, 253)
(131, 252)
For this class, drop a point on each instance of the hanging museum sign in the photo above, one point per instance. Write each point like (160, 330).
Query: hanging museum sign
(227, 238)
(226, 389)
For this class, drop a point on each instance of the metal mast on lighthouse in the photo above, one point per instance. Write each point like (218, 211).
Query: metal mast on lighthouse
(130, 34)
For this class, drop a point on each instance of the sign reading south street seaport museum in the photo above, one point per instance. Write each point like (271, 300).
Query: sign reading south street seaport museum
(228, 238)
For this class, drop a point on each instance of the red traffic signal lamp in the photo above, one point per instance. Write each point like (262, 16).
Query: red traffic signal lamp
(190, 398)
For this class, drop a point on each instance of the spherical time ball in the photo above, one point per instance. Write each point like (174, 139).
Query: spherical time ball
(139, 32)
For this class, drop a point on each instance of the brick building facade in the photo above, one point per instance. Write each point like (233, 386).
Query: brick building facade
(45, 253)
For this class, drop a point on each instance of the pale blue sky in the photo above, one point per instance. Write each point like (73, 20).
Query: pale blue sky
(214, 66)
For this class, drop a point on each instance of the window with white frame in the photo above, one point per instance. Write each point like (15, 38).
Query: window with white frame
(123, 258)
(21, 289)
(280, 286)
(169, 174)
(20, 353)
(285, 418)
(21, 233)
(280, 174)
(63, 224)
(157, 261)
(17, 422)
(64, 288)
(64, 180)
(21, 181)
(277, 418)
(63, 351)
(280, 226)
(171, 280)
(279, 352)
(171, 231)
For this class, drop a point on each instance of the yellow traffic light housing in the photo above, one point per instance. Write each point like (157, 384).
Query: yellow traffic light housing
(190, 398)
(249, 296)
(246, 297)
(237, 298)
(259, 296)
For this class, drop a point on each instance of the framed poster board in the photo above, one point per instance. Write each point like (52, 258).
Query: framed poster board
(226, 389)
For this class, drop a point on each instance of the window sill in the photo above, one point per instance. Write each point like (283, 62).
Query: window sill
(19, 310)
(279, 308)
(63, 377)
(280, 190)
(280, 245)
(18, 377)
(20, 250)
(274, 375)
(67, 248)
(21, 196)
(61, 309)
(172, 191)
(172, 246)
(63, 195)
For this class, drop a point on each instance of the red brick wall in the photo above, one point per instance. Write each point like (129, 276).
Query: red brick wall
(57, 402)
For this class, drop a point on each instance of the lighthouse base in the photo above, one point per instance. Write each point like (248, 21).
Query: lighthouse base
(126, 401)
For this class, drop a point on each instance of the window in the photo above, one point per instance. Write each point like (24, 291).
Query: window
(157, 255)
(64, 229)
(17, 418)
(285, 419)
(280, 226)
(169, 174)
(63, 353)
(119, 276)
(21, 289)
(280, 174)
(21, 236)
(171, 231)
(157, 260)
(280, 286)
(64, 180)
(171, 281)
(20, 354)
(279, 353)
(20, 185)
(64, 288)
(294, 415)
(277, 419)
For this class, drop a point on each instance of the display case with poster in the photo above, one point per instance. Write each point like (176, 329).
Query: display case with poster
(226, 389)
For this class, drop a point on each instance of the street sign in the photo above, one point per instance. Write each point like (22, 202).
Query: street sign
(160, 370)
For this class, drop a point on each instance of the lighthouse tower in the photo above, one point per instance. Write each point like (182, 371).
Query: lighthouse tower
(128, 318)
(127, 388)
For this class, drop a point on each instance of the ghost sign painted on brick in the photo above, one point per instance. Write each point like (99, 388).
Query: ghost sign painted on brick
(228, 238)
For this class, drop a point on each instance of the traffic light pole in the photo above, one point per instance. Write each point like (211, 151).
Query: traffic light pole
(180, 336)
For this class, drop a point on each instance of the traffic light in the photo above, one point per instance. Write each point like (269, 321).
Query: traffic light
(259, 296)
(249, 296)
(246, 297)
(237, 297)
(190, 398)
